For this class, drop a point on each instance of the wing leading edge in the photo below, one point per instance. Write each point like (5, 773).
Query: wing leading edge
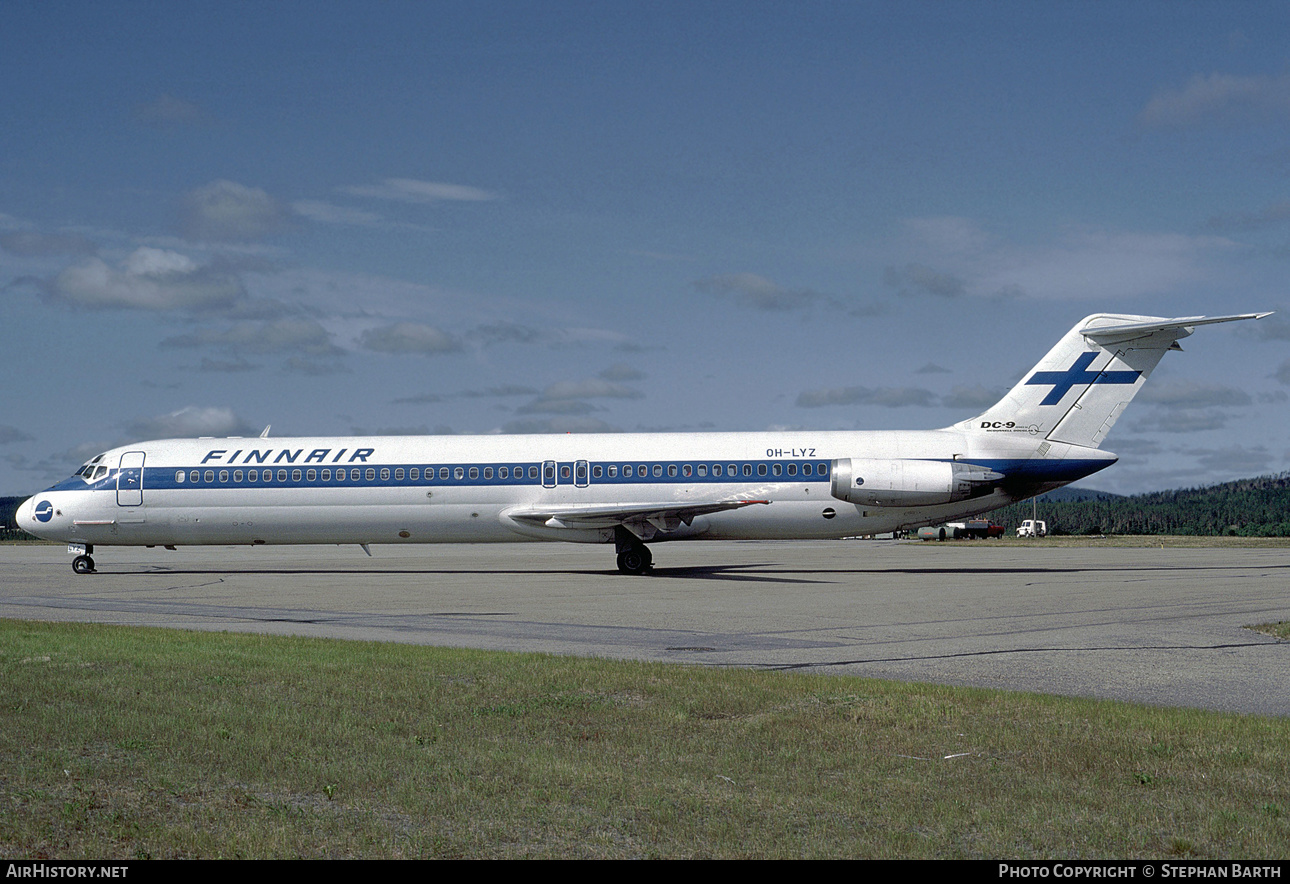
(642, 519)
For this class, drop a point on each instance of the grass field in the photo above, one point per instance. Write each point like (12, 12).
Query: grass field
(125, 742)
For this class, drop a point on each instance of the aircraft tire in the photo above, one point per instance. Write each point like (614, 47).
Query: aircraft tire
(636, 560)
(83, 565)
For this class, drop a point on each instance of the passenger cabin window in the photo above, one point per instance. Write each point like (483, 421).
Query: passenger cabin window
(385, 474)
(210, 476)
(371, 474)
(179, 476)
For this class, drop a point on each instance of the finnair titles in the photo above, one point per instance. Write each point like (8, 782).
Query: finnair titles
(629, 490)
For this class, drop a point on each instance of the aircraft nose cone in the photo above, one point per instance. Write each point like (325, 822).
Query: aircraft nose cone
(34, 513)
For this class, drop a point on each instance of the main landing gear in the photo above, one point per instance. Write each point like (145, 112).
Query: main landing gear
(634, 557)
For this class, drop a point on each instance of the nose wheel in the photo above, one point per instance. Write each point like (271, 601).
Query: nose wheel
(83, 565)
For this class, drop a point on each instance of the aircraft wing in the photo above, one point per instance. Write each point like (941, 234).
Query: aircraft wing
(633, 516)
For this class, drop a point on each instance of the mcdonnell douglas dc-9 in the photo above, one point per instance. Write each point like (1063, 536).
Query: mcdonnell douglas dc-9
(626, 489)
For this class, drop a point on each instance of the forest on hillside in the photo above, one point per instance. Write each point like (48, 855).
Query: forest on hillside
(1258, 507)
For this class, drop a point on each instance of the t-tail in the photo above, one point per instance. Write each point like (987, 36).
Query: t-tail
(1078, 391)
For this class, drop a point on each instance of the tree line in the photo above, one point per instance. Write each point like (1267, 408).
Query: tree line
(1258, 507)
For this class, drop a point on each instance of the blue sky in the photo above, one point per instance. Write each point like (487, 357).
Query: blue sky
(482, 217)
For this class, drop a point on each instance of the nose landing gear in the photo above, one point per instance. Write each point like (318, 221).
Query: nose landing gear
(83, 564)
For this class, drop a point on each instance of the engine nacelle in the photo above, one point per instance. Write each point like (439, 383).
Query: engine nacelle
(876, 481)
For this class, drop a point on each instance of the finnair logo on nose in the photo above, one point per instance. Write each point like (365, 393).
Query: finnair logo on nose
(44, 511)
(1077, 374)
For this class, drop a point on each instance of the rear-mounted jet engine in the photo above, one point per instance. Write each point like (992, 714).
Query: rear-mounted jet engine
(891, 482)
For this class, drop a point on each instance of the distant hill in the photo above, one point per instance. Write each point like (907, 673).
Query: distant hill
(1070, 495)
(8, 509)
(1258, 507)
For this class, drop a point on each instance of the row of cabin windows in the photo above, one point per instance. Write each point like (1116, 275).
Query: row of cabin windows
(444, 473)
(701, 470)
(355, 475)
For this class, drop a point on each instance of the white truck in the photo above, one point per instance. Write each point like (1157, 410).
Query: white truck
(1033, 528)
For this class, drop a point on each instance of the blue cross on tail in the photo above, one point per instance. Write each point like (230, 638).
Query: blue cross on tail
(1078, 373)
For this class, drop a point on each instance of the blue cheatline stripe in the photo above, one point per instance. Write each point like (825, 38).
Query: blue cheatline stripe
(531, 473)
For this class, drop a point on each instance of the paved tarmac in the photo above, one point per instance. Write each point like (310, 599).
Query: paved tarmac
(1157, 626)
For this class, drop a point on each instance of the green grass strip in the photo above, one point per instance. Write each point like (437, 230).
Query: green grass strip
(130, 743)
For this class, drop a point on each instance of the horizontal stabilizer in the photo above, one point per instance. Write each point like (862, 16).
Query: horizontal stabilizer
(1131, 331)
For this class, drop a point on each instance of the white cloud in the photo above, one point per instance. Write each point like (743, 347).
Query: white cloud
(915, 277)
(1077, 264)
(29, 243)
(589, 389)
(410, 190)
(889, 397)
(149, 279)
(1193, 394)
(167, 111)
(278, 336)
(408, 337)
(758, 292)
(190, 422)
(328, 213)
(1219, 98)
(12, 434)
(567, 424)
(227, 211)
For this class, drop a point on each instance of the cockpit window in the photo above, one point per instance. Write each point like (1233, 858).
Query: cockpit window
(99, 473)
(87, 470)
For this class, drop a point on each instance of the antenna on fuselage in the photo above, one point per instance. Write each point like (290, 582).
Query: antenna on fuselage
(265, 434)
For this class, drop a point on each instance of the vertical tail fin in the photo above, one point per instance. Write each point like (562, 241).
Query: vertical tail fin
(1077, 392)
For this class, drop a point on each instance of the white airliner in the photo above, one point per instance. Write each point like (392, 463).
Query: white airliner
(624, 489)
